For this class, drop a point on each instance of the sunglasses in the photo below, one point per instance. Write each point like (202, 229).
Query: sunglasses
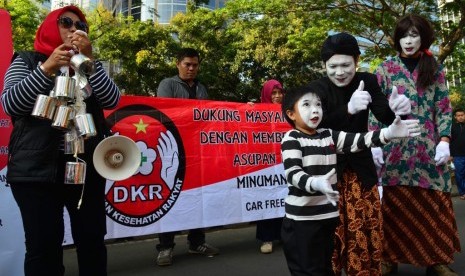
(67, 23)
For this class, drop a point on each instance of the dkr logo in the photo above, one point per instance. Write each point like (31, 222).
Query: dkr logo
(153, 190)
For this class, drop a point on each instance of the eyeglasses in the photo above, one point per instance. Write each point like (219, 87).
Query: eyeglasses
(67, 23)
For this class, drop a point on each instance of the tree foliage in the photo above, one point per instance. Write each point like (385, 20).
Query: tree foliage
(250, 41)
(143, 50)
(26, 16)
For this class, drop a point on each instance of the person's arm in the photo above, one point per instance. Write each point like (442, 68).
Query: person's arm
(296, 175)
(104, 88)
(379, 106)
(355, 142)
(347, 142)
(443, 118)
(204, 92)
(443, 110)
(22, 86)
(165, 89)
(293, 167)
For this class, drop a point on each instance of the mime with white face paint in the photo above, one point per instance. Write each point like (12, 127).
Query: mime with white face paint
(309, 157)
(347, 96)
(420, 234)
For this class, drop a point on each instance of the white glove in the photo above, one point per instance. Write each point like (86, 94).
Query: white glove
(399, 104)
(401, 129)
(321, 184)
(377, 157)
(359, 100)
(442, 153)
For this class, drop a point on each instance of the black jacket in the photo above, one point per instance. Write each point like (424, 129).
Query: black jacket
(335, 116)
(457, 139)
(34, 144)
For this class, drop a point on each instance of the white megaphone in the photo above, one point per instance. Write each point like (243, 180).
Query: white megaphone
(117, 158)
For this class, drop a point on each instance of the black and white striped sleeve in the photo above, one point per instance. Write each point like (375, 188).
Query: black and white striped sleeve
(347, 142)
(292, 155)
(21, 87)
(104, 88)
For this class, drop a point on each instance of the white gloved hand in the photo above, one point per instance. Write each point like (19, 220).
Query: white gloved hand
(321, 184)
(377, 157)
(359, 100)
(399, 104)
(401, 129)
(442, 153)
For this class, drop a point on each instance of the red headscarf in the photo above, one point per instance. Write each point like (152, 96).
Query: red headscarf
(48, 35)
(268, 87)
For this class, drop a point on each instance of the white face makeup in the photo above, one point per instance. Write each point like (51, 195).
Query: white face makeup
(410, 43)
(341, 69)
(310, 112)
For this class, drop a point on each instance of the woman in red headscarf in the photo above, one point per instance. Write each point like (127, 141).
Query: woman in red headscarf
(36, 161)
(269, 230)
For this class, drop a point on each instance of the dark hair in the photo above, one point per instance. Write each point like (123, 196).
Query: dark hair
(187, 52)
(427, 65)
(291, 97)
(340, 44)
(458, 110)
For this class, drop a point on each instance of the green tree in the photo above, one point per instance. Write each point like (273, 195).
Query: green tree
(142, 50)
(251, 41)
(26, 15)
(374, 21)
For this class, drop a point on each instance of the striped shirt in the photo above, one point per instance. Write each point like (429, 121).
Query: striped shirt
(21, 88)
(307, 157)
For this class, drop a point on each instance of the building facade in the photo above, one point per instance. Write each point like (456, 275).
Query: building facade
(454, 70)
(159, 11)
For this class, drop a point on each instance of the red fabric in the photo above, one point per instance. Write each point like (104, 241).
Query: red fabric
(48, 35)
(6, 52)
(268, 87)
(428, 52)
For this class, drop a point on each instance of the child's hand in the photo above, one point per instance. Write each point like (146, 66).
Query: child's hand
(322, 184)
(401, 129)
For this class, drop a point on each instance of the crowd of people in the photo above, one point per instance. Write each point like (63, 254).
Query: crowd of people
(334, 219)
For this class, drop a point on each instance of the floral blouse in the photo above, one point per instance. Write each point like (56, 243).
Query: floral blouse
(410, 162)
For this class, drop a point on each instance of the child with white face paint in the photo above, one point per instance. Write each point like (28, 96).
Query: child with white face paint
(308, 115)
(309, 157)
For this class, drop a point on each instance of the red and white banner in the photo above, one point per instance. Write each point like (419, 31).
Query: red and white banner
(11, 228)
(204, 163)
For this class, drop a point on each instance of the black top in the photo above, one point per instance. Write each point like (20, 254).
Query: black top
(335, 116)
(410, 63)
(457, 139)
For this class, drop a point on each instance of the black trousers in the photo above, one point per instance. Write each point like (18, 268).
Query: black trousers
(41, 206)
(195, 237)
(308, 246)
(269, 230)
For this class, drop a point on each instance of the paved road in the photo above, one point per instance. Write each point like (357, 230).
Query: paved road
(239, 256)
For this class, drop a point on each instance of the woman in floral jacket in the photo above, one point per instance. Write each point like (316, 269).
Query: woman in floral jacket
(418, 218)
